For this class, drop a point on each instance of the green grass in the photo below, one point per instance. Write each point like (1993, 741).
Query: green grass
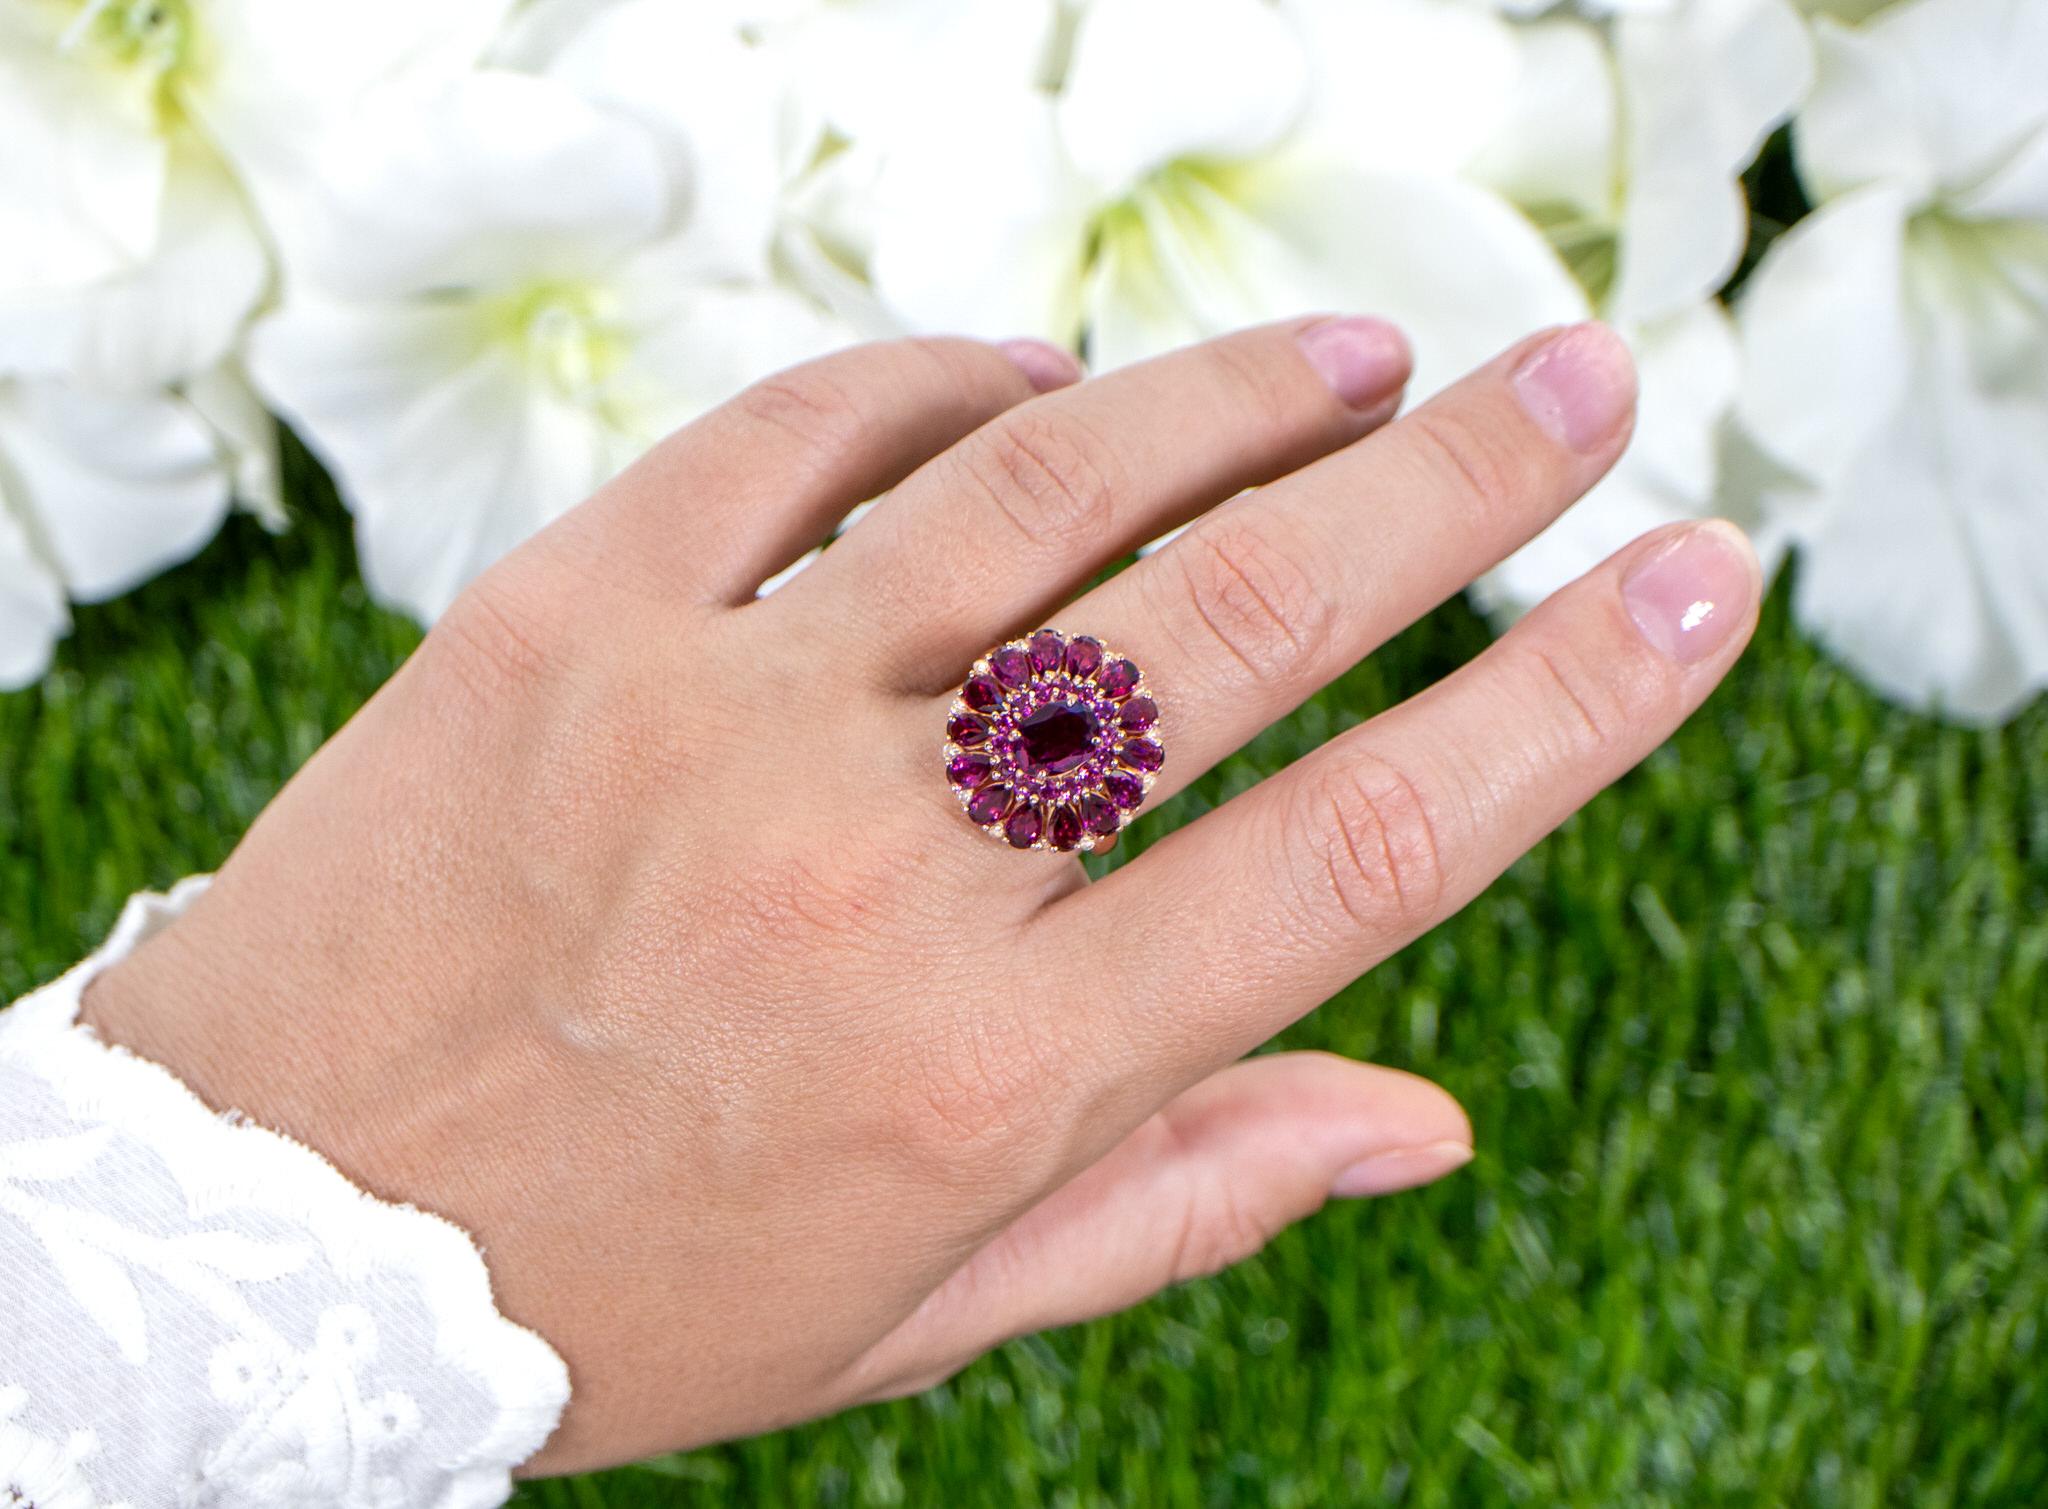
(1756, 1051)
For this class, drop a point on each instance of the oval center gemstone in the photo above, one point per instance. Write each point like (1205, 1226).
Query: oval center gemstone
(1057, 737)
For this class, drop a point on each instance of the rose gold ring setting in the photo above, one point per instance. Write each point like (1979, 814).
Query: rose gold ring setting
(1052, 743)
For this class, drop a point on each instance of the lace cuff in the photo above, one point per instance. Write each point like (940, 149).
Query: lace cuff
(197, 1311)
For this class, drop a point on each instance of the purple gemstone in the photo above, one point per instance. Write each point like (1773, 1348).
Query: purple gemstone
(982, 694)
(968, 770)
(1084, 654)
(1023, 828)
(965, 728)
(1011, 666)
(1123, 788)
(989, 804)
(1139, 714)
(1117, 678)
(1057, 737)
(1064, 831)
(1142, 754)
(1048, 651)
(1098, 814)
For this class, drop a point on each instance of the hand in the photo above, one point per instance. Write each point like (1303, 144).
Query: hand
(633, 927)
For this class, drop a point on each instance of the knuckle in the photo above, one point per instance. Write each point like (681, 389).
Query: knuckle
(970, 1099)
(1050, 477)
(1219, 1229)
(955, 365)
(1264, 398)
(1378, 863)
(1253, 597)
(496, 642)
(1578, 696)
(1469, 458)
(808, 406)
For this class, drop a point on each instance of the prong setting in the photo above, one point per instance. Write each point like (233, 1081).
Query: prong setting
(1059, 743)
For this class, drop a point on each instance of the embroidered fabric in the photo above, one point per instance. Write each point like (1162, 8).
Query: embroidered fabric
(198, 1312)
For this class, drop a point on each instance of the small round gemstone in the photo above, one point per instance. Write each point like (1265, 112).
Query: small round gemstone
(1142, 754)
(968, 770)
(1123, 788)
(966, 728)
(1024, 826)
(1064, 830)
(1138, 714)
(1084, 654)
(1117, 678)
(982, 693)
(1048, 651)
(1011, 665)
(1097, 813)
(1056, 737)
(989, 804)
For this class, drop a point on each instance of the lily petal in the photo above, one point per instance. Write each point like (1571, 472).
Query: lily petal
(447, 447)
(981, 227)
(32, 612)
(500, 180)
(174, 312)
(879, 70)
(1453, 263)
(116, 487)
(1703, 84)
(82, 175)
(1558, 142)
(723, 109)
(1153, 81)
(1927, 577)
(1826, 350)
(279, 77)
(1409, 86)
(1929, 96)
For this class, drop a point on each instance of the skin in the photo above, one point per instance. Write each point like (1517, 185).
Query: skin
(632, 925)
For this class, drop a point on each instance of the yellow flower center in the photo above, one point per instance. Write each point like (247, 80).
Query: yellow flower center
(569, 335)
(152, 38)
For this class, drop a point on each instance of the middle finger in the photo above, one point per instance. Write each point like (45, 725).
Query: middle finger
(1012, 520)
(1240, 617)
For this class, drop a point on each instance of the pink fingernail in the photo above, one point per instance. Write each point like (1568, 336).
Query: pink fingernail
(1364, 361)
(1688, 595)
(1578, 386)
(1045, 364)
(1403, 1168)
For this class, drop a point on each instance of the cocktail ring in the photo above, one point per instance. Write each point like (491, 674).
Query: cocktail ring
(1053, 742)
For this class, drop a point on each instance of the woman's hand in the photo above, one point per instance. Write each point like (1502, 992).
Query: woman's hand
(634, 927)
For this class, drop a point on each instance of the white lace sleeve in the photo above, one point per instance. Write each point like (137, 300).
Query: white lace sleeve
(197, 1311)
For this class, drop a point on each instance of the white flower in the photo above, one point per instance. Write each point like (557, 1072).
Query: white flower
(1203, 164)
(772, 186)
(501, 305)
(131, 135)
(128, 253)
(1626, 139)
(98, 493)
(1896, 354)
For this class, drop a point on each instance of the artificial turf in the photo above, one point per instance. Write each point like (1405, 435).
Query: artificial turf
(1756, 1051)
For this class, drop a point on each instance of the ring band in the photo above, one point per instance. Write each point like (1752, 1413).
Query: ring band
(1053, 743)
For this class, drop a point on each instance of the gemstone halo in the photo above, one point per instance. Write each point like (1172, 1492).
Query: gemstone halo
(1052, 743)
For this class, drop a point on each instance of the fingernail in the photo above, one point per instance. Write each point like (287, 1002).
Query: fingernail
(1363, 360)
(1688, 595)
(1045, 364)
(1578, 386)
(1403, 1168)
